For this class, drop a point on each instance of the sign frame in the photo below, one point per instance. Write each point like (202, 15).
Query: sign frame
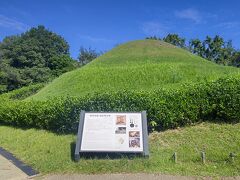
(78, 150)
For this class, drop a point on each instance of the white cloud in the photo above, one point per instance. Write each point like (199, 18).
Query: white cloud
(191, 14)
(11, 23)
(154, 28)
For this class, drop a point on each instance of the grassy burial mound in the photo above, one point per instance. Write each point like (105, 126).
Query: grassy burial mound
(176, 88)
(138, 65)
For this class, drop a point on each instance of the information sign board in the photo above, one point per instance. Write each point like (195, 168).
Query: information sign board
(123, 132)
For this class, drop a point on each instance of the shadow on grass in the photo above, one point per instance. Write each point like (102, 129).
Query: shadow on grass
(102, 155)
(72, 148)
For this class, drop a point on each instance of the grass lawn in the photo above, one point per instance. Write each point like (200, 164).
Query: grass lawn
(51, 153)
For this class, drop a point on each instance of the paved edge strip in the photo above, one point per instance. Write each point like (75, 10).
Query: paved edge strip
(18, 163)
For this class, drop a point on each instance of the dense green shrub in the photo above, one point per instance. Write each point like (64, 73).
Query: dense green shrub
(22, 93)
(191, 103)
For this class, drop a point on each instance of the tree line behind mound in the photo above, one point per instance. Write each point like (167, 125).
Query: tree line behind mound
(215, 49)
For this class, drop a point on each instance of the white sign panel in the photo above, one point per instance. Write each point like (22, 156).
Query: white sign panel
(121, 132)
(110, 132)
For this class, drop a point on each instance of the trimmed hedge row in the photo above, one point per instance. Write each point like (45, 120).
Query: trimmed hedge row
(22, 93)
(219, 100)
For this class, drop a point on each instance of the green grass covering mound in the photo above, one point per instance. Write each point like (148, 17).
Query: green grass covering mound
(51, 153)
(138, 65)
(175, 87)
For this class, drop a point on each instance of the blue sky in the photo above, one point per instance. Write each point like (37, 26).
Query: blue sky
(106, 23)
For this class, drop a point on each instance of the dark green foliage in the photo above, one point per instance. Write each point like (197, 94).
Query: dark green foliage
(196, 47)
(35, 56)
(22, 93)
(219, 100)
(213, 49)
(33, 48)
(175, 39)
(235, 59)
(61, 64)
(153, 38)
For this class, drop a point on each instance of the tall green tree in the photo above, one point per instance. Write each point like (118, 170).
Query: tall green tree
(214, 49)
(33, 48)
(175, 39)
(196, 47)
(87, 55)
(37, 55)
